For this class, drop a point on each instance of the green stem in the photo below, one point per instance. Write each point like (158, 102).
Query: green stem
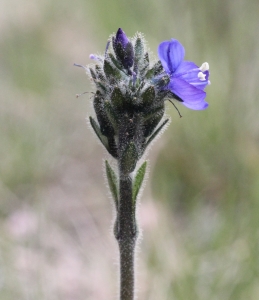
(126, 234)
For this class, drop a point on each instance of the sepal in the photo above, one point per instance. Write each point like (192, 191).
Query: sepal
(92, 73)
(148, 96)
(116, 62)
(99, 73)
(112, 116)
(111, 72)
(161, 81)
(146, 64)
(155, 70)
(105, 124)
(117, 99)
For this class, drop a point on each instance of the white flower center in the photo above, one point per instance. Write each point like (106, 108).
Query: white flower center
(204, 67)
(201, 76)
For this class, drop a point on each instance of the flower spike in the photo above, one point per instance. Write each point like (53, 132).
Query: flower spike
(129, 104)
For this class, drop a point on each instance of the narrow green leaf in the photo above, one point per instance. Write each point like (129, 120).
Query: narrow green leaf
(97, 130)
(138, 180)
(109, 143)
(113, 183)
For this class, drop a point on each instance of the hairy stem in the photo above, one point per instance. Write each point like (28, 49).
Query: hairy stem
(126, 234)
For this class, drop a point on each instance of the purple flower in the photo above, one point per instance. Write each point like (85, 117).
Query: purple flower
(187, 80)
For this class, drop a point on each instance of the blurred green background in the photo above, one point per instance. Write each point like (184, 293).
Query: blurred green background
(200, 208)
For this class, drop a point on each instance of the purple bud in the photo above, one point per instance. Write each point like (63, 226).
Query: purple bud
(121, 38)
(123, 49)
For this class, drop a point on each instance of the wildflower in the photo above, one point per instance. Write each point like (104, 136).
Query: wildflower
(187, 80)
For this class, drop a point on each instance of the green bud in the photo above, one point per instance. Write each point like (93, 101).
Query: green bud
(139, 54)
(139, 50)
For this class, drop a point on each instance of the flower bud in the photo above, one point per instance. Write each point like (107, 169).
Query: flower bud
(122, 38)
(123, 49)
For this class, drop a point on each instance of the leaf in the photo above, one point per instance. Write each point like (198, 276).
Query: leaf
(113, 183)
(101, 137)
(138, 180)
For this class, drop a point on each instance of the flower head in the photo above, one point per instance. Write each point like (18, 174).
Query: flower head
(131, 91)
(187, 80)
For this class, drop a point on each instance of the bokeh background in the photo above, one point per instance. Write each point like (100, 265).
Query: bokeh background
(199, 211)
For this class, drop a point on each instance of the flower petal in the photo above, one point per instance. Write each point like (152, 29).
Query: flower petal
(192, 97)
(171, 54)
(185, 67)
(200, 106)
(163, 55)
